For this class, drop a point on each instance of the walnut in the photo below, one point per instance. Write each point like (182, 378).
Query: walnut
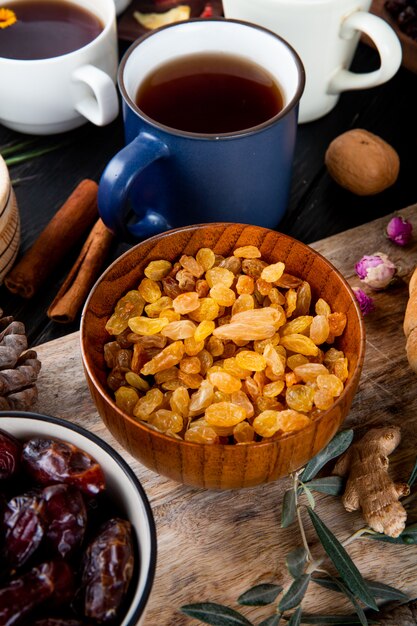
(362, 162)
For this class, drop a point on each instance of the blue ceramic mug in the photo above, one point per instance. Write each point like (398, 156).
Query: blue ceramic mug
(165, 177)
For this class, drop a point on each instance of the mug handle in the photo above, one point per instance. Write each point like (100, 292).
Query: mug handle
(102, 106)
(385, 41)
(116, 182)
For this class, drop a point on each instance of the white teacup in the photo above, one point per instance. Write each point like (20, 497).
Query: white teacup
(325, 34)
(54, 95)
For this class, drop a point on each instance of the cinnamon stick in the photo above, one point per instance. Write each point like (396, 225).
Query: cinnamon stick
(74, 291)
(64, 230)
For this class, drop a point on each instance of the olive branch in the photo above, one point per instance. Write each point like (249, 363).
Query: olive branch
(303, 568)
(16, 153)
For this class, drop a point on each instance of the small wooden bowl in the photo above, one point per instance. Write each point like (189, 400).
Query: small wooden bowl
(219, 466)
(9, 223)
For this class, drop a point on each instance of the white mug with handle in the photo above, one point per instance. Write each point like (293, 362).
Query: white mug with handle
(325, 33)
(57, 94)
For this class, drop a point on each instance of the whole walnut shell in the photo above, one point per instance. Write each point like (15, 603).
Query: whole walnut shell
(362, 162)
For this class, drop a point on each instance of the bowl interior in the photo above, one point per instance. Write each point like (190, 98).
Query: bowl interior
(302, 261)
(122, 485)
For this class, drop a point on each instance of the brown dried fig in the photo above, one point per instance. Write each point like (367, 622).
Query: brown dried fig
(362, 162)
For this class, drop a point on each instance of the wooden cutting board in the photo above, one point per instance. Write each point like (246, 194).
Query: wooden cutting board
(212, 546)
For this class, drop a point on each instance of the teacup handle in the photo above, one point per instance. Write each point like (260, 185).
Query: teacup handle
(385, 41)
(102, 106)
(116, 182)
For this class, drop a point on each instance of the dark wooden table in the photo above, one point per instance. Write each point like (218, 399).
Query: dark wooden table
(317, 207)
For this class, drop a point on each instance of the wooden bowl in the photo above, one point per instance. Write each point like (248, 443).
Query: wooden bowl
(219, 466)
(9, 223)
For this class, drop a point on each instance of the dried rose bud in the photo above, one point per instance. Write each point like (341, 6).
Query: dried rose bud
(376, 270)
(366, 303)
(399, 230)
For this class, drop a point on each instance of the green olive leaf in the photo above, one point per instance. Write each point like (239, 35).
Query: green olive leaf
(346, 620)
(260, 595)
(288, 509)
(413, 476)
(295, 618)
(309, 495)
(15, 157)
(348, 571)
(379, 590)
(295, 593)
(331, 485)
(215, 614)
(359, 611)
(296, 561)
(337, 445)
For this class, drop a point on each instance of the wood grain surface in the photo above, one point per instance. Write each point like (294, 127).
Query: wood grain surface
(214, 545)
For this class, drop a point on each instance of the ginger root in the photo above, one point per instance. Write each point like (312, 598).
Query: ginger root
(410, 323)
(369, 486)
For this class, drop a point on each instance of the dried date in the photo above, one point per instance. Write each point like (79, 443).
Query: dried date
(49, 462)
(51, 581)
(66, 517)
(10, 452)
(107, 570)
(24, 521)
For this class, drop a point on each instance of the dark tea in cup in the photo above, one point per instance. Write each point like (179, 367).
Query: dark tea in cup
(47, 28)
(210, 93)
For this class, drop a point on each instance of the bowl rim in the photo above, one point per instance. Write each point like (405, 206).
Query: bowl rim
(194, 227)
(140, 609)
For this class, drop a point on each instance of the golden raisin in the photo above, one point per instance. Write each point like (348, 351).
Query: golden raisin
(206, 258)
(169, 356)
(126, 399)
(148, 403)
(147, 325)
(157, 270)
(250, 360)
(224, 414)
(219, 276)
(162, 304)
(243, 432)
(299, 343)
(179, 330)
(224, 382)
(319, 329)
(190, 365)
(245, 284)
(190, 264)
(272, 273)
(208, 309)
(222, 295)
(204, 330)
(247, 252)
(149, 290)
(186, 302)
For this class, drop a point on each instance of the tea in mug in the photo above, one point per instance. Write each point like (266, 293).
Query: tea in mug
(46, 29)
(210, 93)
